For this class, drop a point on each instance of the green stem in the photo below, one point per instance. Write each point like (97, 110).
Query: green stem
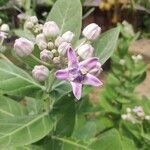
(41, 62)
(48, 101)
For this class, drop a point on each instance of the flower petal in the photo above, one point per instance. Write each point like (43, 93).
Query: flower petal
(62, 74)
(77, 89)
(72, 58)
(92, 80)
(89, 63)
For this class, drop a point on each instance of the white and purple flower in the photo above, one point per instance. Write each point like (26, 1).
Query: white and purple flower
(78, 73)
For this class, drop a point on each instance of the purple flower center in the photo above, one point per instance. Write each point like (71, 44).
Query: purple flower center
(77, 74)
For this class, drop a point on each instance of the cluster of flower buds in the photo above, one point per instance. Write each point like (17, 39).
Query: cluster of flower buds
(137, 58)
(122, 62)
(32, 24)
(56, 50)
(135, 115)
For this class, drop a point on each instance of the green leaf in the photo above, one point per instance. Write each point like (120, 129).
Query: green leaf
(105, 46)
(128, 144)
(34, 106)
(66, 116)
(110, 140)
(25, 130)
(10, 108)
(68, 16)
(70, 144)
(60, 89)
(24, 33)
(15, 81)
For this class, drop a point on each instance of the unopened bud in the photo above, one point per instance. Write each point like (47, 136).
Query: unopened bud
(4, 28)
(58, 41)
(41, 41)
(40, 73)
(56, 60)
(23, 47)
(85, 51)
(62, 49)
(68, 36)
(46, 55)
(50, 45)
(22, 16)
(50, 29)
(29, 25)
(33, 19)
(96, 70)
(92, 31)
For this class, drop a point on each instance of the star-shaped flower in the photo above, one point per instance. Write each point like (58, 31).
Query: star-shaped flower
(77, 73)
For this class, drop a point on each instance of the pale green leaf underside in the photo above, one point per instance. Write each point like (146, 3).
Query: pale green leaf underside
(105, 46)
(68, 16)
(10, 108)
(16, 81)
(25, 130)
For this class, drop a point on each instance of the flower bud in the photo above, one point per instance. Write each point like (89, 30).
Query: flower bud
(40, 37)
(40, 73)
(41, 41)
(96, 70)
(42, 45)
(29, 25)
(92, 31)
(56, 60)
(50, 29)
(68, 36)
(62, 49)
(33, 19)
(46, 55)
(50, 45)
(5, 28)
(23, 47)
(85, 51)
(58, 41)
(22, 16)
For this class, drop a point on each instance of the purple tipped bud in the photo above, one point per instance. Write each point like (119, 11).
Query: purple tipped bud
(56, 60)
(4, 28)
(62, 49)
(85, 51)
(46, 55)
(68, 36)
(59, 40)
(50, 29)
(92, 31)
(96, 70)
(23, 47)
(40, 73)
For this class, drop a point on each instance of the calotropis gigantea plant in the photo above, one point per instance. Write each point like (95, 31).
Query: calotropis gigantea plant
(53, 56)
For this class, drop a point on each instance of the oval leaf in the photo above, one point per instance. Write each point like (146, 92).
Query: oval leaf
(25, 130)
(68, 16)
(105, 46)
(16, 81)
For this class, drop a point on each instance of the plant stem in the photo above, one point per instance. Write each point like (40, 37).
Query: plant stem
(48, 102)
